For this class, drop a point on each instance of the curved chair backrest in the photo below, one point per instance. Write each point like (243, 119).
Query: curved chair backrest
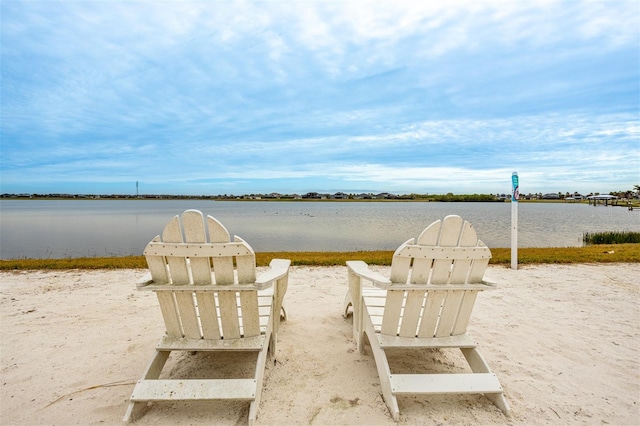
(184, 255)
(434, 283)
(447, 252)
(201, 294)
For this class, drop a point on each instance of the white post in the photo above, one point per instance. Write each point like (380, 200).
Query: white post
(515, 194)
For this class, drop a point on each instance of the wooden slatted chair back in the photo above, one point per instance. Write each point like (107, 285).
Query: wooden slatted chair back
(206, 297)
(438, 276)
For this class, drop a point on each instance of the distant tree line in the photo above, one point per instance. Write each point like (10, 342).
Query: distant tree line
(449, 197)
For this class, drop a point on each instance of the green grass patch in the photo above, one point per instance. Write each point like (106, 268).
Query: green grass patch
(613, 237)
(606, 253)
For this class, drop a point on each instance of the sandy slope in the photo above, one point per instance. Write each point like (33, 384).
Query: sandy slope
(563, 340)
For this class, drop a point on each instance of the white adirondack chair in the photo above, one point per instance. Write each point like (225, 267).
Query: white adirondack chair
(208, 305)
(426, 303)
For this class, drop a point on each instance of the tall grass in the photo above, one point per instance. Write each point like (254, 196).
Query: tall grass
(500, 256)
(622, 237)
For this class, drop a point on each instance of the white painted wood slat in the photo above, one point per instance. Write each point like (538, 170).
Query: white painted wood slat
(246, 265)
(400, 266)
(477, 269)
(250, 318)
(197, 250)
(411, 313)
(466, 307)
(437, 252)
(449, 234)
(158, 266)
(175, 390)
(158, 269)
(252, 344)
(223, 270)
(460, 341)
(188, 315)
(444, 383)
(194, 232)
(222, 265)
(177, 265)
(431, 314)
(208, 314)
(217, 231)
(229, 315)
(392, 310)
(449, 313)
(461, 265)
(169, 313)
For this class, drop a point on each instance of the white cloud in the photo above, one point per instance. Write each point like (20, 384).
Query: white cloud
(398, 93)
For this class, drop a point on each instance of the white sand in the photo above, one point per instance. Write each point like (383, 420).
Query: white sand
(563, 340)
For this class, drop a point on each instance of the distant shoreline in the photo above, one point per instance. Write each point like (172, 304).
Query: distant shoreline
(635, 203)
(259, 200)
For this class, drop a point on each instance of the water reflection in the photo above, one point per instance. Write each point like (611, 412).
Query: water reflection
(61, 228)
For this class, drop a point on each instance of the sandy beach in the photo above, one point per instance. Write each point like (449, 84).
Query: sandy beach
(563, 339)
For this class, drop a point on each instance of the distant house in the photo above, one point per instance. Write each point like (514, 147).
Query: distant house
(574, 198)
(340, 196)
(551, 196)
(313, 195)
(385, 195)
(364, 196)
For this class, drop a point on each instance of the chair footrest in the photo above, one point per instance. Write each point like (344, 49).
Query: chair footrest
(170, 390)
(444, 383)
(255, 343)
(459, 341)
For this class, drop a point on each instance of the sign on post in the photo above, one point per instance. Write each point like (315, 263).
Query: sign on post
(515, 194)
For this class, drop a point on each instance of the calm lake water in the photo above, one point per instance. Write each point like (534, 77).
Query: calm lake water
(79, 228)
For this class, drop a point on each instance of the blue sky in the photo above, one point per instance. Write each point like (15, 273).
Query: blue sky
(220, 97)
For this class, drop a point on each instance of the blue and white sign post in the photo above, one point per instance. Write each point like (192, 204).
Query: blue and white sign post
(515, 194)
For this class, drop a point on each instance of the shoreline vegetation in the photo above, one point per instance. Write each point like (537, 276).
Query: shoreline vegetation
(629, 199)
(598, 253)
(631, 204)
(612, 237)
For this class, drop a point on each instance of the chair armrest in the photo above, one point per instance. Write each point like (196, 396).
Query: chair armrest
(140, 285)
(489, 283)
(362, 270)
(278, 268)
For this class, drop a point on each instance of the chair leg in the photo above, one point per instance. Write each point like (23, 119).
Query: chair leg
(479, 365)
(346, 304)
(273, 344)
(153, 370)
(135, 411)
(384, 373)
(281, 289)
(253, 413)
(260, 366)
(360, 342)
(354, 297)
(499, 401)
